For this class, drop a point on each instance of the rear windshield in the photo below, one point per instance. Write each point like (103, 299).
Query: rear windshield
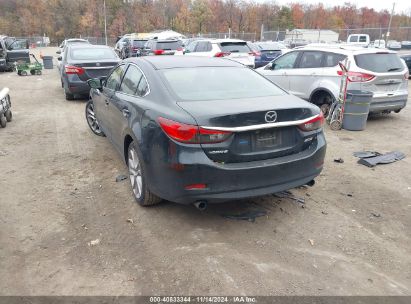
(219, 83)
(379, 62)
(235, 47)
(92, 54)
(169, 45)
(139, 43)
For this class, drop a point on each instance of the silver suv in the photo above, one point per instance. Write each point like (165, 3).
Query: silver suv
(312, 73)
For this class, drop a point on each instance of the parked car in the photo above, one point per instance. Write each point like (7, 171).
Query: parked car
(393, 45)
(407, 59)
(379, 44)
(132, 48)
(82, 62)
(312, 73)
(264, 52)
(63, 46)
(295, 42)
(406, 44)
(11, 51)
(359, 40)
(236, 50)
(204, 130)
(162, 47)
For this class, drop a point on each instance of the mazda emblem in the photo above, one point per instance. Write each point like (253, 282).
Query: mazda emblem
(271, 116)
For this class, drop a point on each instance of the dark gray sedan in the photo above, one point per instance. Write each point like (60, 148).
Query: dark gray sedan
(204, 130)
(81, 62)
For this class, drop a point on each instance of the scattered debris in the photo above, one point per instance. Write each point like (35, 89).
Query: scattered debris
(130, 220)
(353, 210)
(349, 194)
(94, 242)
(371, 159)
(3, 153)
(339, 160)
(311, 242)
(246, 216)
(375, 214)
(84, 226)
(324, 212)
(121, 177)
(288, 194)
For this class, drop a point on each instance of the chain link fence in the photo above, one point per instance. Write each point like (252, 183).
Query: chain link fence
(227, 35)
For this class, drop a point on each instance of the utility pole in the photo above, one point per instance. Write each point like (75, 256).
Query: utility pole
(105, 21)
(389, 24)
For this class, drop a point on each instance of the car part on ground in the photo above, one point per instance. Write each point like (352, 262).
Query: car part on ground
(204, 134)
(371, 159)
(5, 108)
(312, 73)
(82, 62)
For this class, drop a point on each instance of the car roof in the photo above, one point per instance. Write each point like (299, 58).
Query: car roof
(88, 46)
(171, 62)
(76, 39)
(342, 49)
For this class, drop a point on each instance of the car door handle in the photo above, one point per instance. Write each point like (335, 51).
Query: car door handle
(126, 112)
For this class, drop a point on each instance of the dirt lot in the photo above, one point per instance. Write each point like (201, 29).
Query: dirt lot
(58, 192)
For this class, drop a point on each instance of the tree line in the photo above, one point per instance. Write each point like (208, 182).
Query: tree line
(71, 18)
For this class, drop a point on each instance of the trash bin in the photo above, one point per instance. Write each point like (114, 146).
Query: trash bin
(48, 62)
(356, 109)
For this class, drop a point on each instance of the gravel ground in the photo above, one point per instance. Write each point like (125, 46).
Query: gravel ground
(58, 193)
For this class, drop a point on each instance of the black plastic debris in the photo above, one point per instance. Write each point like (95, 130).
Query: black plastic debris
(375, 214)
(121, 177)
(371, 159)
(246, 216)
(288, 194)
(339, 160)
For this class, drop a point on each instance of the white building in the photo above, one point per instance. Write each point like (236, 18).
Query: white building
(312, 35)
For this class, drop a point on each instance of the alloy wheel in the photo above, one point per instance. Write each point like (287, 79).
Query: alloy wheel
(136, 177)
(91, 118)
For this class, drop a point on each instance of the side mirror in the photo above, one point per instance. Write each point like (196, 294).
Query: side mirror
(95, 83)
(58, 52)
(59, 58)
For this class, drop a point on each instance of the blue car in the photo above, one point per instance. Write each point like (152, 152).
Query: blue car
(265, 52)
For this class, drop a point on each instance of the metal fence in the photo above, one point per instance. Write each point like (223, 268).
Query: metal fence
(231, 35)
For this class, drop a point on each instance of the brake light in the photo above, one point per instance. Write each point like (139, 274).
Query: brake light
(180, 49)
(357, 76)
(158, 52)
(70, 69)
(255, 54)
(407, 75)
(222, 54)
(191, 134)
(313, 124)
(196, 187)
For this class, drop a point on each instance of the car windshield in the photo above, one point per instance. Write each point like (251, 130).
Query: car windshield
(379, 62)
(139, 43)
(92, 54)
(169, 45)
(219, 83)
(235, 47)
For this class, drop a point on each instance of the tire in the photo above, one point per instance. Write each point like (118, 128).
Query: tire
(23, 73)
(9, 116)
(32, 72)
(69, 96)
(136, 169)
(324, 101)
(92, 119)
(3, 121)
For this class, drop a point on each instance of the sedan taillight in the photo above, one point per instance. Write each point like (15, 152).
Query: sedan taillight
(313, 124)
(191, 134)
(255, 54)
(70, 69)
(158, 52)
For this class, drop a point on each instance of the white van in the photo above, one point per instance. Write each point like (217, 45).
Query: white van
(379, 44)
(359, 40)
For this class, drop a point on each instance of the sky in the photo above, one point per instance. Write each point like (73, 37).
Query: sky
(400, 5)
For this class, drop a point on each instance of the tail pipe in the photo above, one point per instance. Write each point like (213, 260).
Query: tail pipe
(200, 205)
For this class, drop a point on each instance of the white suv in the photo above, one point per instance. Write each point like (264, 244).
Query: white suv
(313, 73)
(233, 49)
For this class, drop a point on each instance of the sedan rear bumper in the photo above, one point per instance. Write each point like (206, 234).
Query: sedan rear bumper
(223, 182)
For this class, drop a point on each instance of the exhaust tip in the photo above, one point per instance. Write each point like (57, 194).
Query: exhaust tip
(200, 205)
(311, 183)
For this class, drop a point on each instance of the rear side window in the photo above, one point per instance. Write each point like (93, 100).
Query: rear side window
(363, 38)
(379, 62)
(166, 45)
(139, 43)
(332, 59)
(353, 38)
(114, 80)
(131, 80)
(142, 88)
(235, 47)
(92, 54)
(311, 60)
(203, 46)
